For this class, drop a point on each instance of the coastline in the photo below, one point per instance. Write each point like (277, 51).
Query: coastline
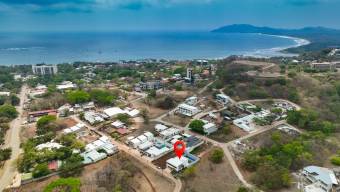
(278, 51)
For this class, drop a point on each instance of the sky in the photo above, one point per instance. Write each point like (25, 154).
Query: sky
(163, 15)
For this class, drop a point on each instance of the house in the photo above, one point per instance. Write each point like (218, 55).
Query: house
(209, 128)
(3, 93)
(187, 110)
(49, 145)
(92, 156)
(93, 117)
(145, 146)
(191, 101)
(118, 124)
(66, 85)
(43, 69)
(33, 115)
(74, 129)
(168, 133)
(319, 179)
(178, 164)
(113, 111)
(150, 85)
(156, 152)
(223, 99)
(160, 127)
(245, 123)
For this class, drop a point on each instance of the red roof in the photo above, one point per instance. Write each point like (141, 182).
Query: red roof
(122, 131)
(53, 165)
(43, 112)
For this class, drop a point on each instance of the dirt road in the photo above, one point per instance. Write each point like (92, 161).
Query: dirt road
(12, 140)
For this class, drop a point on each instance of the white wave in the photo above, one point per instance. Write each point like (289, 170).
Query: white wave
(20, 48)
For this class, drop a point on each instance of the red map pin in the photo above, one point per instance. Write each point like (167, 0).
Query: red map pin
(179, 148)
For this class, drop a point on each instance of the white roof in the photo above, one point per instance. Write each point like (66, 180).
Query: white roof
(90, 147)
(117, 123)
(113, 111)
(154, 151)
(223, 96)
(313, 188)
(160, 127)
(176, 162)
(209, 125)
(5, 93)
(145, 145)
(48, 145)
(135, 141)
(142, 138)
(323, 174)
(98, 143)
(148, 134)
(188, 107)
(133, 112)
(104, 139)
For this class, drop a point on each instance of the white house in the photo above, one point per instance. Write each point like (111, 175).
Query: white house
(319, 179)
(160, 127)
(209, 128)
(66, 85)
(3, 93)
(177, 164)
(113, 111)
(245, 123)
(223, 99)
(168, 133)
(92, 117)
(187, 110)
(191, 100)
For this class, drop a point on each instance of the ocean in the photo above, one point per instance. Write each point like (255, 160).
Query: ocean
(52, 48)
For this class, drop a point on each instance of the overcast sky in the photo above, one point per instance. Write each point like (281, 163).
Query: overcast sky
(142, 15)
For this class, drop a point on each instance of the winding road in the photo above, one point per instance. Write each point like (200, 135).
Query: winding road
(12, 140)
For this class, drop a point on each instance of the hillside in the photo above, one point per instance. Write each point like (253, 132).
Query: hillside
(320, 37)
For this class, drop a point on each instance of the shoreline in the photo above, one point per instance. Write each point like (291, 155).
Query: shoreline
(278, 51)
(257, 53)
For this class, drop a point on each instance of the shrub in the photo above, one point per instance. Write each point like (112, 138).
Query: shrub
(197, 126)
(216, 156)
(68, 184)
(41, 170)
(336, 160)
(8, 111)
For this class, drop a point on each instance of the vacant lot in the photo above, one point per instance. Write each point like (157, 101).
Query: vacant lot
(210, 177)
(235, 133)
(103, 175)
(179, 120)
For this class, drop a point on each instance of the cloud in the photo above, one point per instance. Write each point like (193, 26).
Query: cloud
(87, 5)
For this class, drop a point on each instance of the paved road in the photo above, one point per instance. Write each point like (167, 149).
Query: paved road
(12, 140)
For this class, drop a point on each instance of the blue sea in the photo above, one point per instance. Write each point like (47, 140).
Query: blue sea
(32, 48)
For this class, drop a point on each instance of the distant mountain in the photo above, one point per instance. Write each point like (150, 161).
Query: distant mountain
(320, 37)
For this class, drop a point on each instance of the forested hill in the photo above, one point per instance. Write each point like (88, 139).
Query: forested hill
(320, 37)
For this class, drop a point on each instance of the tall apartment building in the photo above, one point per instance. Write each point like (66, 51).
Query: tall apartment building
(43, 69)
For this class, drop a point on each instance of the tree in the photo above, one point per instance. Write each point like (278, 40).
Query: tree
(41, 170)
(152, 94)
(72, 165)
(216, 156)
(64, 184)
(197, 126)
(5, 154)
(14, 100)
(226, 129)
(271, 176)
(8, 111)
(125, 118)
(45, 124)
(102, 97)
(167, 103)
(78, 96)
(145, 114)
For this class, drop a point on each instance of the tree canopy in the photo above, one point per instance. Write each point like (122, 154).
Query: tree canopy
(197, 126)
(78, 96)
